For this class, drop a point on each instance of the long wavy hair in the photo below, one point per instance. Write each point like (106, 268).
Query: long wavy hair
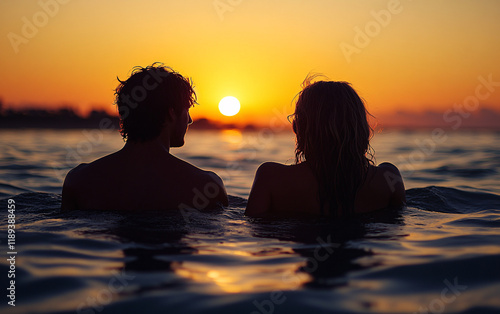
(333, 136)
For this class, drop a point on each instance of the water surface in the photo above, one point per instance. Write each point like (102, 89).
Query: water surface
(439, 254)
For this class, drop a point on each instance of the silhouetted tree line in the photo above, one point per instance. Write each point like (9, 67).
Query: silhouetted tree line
(67, 118)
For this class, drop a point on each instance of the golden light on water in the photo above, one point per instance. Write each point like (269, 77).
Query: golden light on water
(233, 136)
(238, 276)
(243, 278)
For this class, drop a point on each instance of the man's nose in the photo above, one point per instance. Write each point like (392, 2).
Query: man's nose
(190, 121)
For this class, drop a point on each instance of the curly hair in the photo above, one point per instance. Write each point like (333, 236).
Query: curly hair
(145, 98)
(333, 136)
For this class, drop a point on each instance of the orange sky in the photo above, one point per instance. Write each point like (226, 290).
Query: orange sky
(399, 55)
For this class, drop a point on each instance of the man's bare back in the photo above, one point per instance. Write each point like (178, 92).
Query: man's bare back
(140, 177)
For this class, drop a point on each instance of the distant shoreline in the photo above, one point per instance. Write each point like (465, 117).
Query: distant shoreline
(68, 119)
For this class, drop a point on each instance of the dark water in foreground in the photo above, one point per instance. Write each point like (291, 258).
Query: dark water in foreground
(439, 254)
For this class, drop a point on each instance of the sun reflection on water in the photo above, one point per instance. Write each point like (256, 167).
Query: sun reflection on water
(244, 278)
(262, 273)
(232, 136)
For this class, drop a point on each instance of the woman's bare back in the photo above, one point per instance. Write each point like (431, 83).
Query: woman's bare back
(294, 189)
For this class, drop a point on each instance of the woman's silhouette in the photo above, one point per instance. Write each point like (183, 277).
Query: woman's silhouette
(334, 173)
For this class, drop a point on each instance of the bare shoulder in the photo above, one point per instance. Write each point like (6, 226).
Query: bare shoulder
(266, 172)
(206, 182)
(390, 178)
(270, 168)
(281, 188)
(259, 200)
(71, 186)
(81, 177)
(198, 173)
(84, 170)
(213, 176)
(387, 166)
(390, 173)
(76, 174)
(269, 173)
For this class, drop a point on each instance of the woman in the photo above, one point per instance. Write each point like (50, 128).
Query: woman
(334, 173)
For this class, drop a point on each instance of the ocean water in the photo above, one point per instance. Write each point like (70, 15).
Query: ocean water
(439, 254)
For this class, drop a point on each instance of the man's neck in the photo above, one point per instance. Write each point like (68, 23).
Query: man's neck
(155, 146)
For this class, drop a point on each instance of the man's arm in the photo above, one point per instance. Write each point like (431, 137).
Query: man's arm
(69, 190)
(221, 193)
(68, 195)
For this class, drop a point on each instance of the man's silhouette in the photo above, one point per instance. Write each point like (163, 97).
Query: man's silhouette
(154, 115)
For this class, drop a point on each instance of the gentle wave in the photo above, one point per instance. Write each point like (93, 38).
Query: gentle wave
(451, 200)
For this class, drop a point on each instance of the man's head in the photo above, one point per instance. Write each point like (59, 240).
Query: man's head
(152, 98)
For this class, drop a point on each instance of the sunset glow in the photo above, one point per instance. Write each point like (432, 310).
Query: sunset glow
(401, 56)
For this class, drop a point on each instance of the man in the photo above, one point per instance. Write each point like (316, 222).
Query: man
(154, 115)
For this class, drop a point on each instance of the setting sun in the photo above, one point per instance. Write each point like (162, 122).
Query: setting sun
(229, 106)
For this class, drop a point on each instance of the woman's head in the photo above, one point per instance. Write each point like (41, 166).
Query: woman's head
(333, 135)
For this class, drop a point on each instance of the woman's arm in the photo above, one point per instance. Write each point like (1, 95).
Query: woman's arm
(259, 201)
(395, 183)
